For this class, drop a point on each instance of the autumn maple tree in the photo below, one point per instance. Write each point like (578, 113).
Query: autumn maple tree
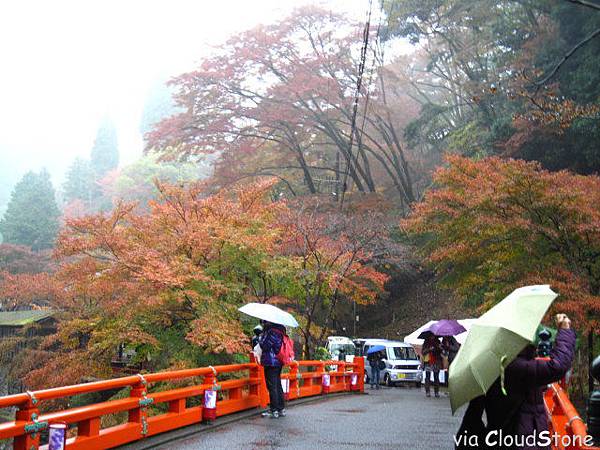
(278, 100)
(492, 225)
(332, 257)
(144, 280)
(167, 282)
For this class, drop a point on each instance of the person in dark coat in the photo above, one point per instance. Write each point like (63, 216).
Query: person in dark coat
(375, 360)
(432, 363)
(450, 348)
(521, 413)
(270, 342)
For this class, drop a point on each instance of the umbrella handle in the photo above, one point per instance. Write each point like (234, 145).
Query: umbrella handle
(502, 367)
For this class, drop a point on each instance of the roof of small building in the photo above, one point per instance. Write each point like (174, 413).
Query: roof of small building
(22, 318)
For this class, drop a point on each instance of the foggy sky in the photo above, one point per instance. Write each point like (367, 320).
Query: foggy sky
(67, 64)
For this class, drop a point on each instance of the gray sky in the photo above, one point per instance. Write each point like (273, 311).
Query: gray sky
(66, 64)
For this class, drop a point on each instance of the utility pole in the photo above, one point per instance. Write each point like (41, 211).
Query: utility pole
(354, 317)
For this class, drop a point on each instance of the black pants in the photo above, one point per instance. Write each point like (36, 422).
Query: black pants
(436, 380)
(273, 379)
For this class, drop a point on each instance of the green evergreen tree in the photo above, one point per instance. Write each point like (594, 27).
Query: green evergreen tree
(79, 181)
(32, 216)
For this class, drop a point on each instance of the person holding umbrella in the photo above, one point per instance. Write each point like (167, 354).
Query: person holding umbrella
(432, 363)
(271, 341)
(447, 329)
(496, 371)
(375, 362)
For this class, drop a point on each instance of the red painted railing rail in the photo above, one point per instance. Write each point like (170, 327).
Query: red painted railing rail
(563, 419)
(246, 391)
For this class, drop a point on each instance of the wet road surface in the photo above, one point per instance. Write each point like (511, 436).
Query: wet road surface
(389, 418)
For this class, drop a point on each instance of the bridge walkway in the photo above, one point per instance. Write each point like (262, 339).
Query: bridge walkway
(389, 418)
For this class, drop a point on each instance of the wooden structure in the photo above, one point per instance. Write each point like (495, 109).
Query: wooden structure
(244, 389)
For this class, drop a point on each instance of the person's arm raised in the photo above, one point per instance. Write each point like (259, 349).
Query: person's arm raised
(536, 372)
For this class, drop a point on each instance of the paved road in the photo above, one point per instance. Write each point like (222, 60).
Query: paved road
(390, 418)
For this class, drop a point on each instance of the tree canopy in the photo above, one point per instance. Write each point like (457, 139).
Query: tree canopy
(494, 224)
(504, 78)
(32, 216)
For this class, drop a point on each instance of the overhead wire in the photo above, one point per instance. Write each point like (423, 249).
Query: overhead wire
(362, 64)
(361, 68)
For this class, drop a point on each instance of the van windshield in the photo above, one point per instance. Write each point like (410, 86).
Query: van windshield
(401, 353)
(348, 349)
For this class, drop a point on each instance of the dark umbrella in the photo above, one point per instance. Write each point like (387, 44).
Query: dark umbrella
(375, 348)
(424, 334)
(447, 328)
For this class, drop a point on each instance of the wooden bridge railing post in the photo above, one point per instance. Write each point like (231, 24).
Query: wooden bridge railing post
(29, 413)
(294, 380)
(320, 371)
(140, 414)
(360, 370)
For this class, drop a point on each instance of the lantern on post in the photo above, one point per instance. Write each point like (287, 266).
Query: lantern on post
(326, 383)
(285, 385)
(209, 412)
(354, 382)
(57, 436)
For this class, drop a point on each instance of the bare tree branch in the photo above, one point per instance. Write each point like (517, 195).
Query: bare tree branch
(586, 3)
(569, 53)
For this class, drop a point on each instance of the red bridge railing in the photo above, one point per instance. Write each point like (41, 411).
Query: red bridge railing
(246, 391)
(563, 419)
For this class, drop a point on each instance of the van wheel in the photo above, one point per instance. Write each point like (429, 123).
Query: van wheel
(388, 381)
(418, 384)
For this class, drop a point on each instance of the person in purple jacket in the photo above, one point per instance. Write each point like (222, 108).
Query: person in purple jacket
(270, 342)
(520, 413)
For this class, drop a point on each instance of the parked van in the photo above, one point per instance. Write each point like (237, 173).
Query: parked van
(335, 344)
(402, 365)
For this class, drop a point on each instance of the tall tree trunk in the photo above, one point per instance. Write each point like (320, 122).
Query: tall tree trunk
(307, 176)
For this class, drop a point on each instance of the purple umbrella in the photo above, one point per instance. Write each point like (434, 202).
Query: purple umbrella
(447, 328)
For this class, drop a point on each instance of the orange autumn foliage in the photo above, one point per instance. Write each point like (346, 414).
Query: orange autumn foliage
(492, 225)
(167, 283)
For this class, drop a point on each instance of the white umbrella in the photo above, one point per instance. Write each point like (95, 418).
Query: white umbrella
(269, 313)
(412, 338)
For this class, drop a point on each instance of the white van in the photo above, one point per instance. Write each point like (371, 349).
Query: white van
(335, 344)
(402, 365)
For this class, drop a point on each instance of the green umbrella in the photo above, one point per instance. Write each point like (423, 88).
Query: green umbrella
(494, 340)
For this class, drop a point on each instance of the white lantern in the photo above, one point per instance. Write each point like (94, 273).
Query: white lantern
(210, 399)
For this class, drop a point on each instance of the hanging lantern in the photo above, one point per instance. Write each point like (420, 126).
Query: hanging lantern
(57, 436)
(326, 383)
(285, 385)
(209, 412)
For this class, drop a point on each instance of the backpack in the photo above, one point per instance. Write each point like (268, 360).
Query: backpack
(286, 351)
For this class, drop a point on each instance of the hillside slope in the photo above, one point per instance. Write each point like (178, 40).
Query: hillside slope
(414, 299)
